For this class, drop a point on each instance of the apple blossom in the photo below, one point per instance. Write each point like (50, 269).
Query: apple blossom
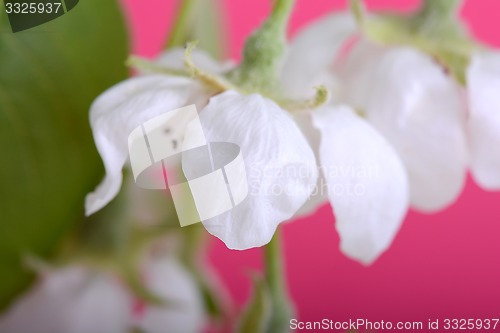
(360, 173)
(283, 161)
(410, 99)
(125, 106)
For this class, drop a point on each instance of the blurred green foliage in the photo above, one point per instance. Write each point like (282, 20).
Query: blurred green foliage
(49, 77)
(257, 315)
(201, 21)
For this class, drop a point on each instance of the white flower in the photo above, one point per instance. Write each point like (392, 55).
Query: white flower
(409, 98)
(120, 110)
(361, 174)
(483, 81)
(273, 148)
(436, 129)
(281, 167)
(79, 300)
(282, 153)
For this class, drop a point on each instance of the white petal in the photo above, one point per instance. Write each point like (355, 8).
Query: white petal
(313, 51)
(174, 59)
(120, 110)
(318, 196)
(358, 70)
(71, 301)
(420, 110)
(184, 309)
(280, 166)
(367, 183)
(483, 78)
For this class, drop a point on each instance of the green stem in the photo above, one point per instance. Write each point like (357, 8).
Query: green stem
(281, 13)
(181, 30)
(358, 10)
(440, 8)
(264, 49)
(281, 305)
(274, 266)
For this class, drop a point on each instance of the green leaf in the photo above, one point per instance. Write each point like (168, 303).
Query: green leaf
(50, 75)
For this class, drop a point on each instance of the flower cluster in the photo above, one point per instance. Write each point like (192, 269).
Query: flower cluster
(368, 113)
(394, 108)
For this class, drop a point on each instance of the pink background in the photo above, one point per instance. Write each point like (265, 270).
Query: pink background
(445, 265)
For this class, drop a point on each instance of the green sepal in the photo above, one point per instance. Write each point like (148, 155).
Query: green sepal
(435, 30)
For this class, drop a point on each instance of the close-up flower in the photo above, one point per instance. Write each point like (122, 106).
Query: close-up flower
(192, 166)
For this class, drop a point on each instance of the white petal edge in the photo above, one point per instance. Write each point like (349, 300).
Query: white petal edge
(280, 166)
(420, 110)
(313, 52)
(184, 310)
(71, 300)
(483, 80)
(367, 183)
(318, 197)
(117, 112)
